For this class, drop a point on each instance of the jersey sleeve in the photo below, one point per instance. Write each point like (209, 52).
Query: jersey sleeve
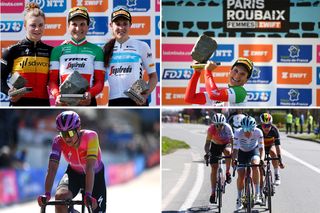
(212, 89)
(93, 147)
(260, 138)
(147, 58)
(236, 142)
(276, 137)
(55, 154)
(54, 71)
(237, 94)
(190, 95)
(6, 67)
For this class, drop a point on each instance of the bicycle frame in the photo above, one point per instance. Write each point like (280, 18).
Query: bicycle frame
(247, 199)
(221, 180)
(268, 188)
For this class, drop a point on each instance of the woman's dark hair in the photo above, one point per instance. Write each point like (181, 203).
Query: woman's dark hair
(108, 50)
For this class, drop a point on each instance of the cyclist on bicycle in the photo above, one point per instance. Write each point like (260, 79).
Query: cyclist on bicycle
(271, 143)
(219, 139)
(81, 150)
(248, 148)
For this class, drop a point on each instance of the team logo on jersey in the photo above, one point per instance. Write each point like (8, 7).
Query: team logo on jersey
(120, 70)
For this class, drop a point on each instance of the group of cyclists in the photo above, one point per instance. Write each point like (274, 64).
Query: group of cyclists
(246, 142)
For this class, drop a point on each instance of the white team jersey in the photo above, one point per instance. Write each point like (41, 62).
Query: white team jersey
(247, 144)
(127, 64)
(231, 102)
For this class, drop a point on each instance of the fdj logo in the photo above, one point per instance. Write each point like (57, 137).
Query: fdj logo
(259, 96)
(177, 74)
(11, 26)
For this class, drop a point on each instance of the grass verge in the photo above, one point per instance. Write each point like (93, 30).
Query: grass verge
(170, 145)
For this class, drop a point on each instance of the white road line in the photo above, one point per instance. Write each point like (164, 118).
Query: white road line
(175, 190)
(193, 194)
(288, 154)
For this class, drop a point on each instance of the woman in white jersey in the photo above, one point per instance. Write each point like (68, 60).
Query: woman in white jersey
(248, 147)
(126, 59)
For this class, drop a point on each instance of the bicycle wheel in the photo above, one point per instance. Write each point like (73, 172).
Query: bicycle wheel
(219, 193)
(248, 193)
(270, 190)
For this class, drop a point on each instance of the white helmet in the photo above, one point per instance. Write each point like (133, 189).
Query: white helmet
(218, 118)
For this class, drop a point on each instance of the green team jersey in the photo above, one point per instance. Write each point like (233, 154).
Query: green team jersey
(81, 56)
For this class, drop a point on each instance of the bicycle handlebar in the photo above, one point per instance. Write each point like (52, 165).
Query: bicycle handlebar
(208, 155)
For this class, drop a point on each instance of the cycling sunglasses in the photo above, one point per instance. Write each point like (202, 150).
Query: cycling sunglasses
(68, 134)
(78, 8)
(266, 126)
(218, 125)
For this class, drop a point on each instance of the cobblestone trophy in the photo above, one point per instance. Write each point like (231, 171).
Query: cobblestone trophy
(18, 82)
(136, 90)
(73, 88)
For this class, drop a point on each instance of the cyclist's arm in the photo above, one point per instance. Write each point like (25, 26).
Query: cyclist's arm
(212, 89)
(190, 95)
(208, 142)
(92, 155)
(261, 147)
(153, 80)
(98, 82)
(51, 174)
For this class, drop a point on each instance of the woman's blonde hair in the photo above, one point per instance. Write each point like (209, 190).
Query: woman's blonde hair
(33, 9)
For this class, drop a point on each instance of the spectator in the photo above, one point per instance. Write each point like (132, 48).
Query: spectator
(296, 124)
(309, 122)
(289, 119)
(301, 123)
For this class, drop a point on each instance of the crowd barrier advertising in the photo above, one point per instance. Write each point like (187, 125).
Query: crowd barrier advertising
(283, 43)
(22, 185)
(145, 26)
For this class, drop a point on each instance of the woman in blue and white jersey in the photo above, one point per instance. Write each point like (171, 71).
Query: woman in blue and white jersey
(248, 147)
(126, 59)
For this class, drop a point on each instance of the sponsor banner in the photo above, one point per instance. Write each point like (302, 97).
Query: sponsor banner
(258, 96)
(177, 74)
(4, 99)
(116, 175)
(11, 26)
(177, 52)
(157, 25)
(318, 75)
(157, 4)
(256, 52)
(52, 6)
(158, 71)
(220, 75)
(53, 43)
(133, 5)
(294, 75)
(224, 53)
(294, 97)
(318, 97)
(158, 89)
(158, 48)
(55, 26)
(318, 53)
(5, 44)
(294, 53)
(256, 16)
(91, 5)
(98, 26)
(9, 6)
(30, 183)
(261, 75)
(8, 187)
(173, 95)
(140, 25)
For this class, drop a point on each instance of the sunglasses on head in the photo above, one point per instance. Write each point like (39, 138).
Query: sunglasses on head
(266, 125)
(68, 134)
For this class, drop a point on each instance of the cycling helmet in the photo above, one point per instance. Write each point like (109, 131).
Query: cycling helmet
(266, 118)
(68, 120)
(248, 123)
(218, 118)
(237, 120)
